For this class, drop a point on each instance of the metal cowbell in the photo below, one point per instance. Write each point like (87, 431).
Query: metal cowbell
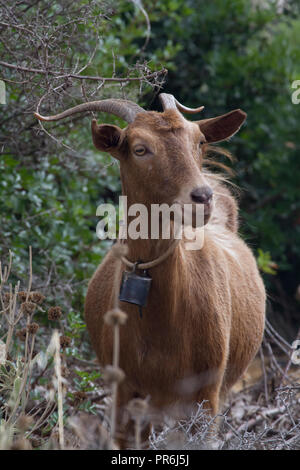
(135, 287)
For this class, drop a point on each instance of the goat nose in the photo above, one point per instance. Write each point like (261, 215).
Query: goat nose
(202, 194)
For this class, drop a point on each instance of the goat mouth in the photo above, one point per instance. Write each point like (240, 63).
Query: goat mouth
(195, 214)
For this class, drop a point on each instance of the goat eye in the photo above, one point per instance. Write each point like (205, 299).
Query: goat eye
(202, 142)
(140, 150)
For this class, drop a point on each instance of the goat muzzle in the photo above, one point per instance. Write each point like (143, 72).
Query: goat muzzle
(202, 195)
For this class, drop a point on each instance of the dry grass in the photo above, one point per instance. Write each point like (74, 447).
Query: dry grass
(31, 413)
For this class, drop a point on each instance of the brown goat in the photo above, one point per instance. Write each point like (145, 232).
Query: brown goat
(204, 318)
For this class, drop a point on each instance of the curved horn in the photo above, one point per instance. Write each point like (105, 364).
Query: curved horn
(169, 102)
(124, 109)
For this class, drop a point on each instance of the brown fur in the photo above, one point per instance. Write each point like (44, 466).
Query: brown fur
(204, 320)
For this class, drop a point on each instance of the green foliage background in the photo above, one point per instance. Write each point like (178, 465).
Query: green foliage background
(235, 55)
(224, 54)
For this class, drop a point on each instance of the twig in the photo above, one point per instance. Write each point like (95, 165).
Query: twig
(280, 338)
(57, 364)
(44, 416)
(58, 75)
(277, 341)
(139, 5)
(289, 362)
(264, 373)
(249, 425)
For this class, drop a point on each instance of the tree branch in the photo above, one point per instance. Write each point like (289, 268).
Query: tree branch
(83, 77)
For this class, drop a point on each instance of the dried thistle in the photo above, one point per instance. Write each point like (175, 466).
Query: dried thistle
(21, 334)
(32, 328)
(115, 317)
(22, 296)
(113, 374)
(28, 308)
(65, 341)
(37, 297)
(54, 313)
(138, 407)
(7, 299)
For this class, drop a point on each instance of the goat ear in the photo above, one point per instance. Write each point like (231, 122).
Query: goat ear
(107, 138)
(222, 127)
